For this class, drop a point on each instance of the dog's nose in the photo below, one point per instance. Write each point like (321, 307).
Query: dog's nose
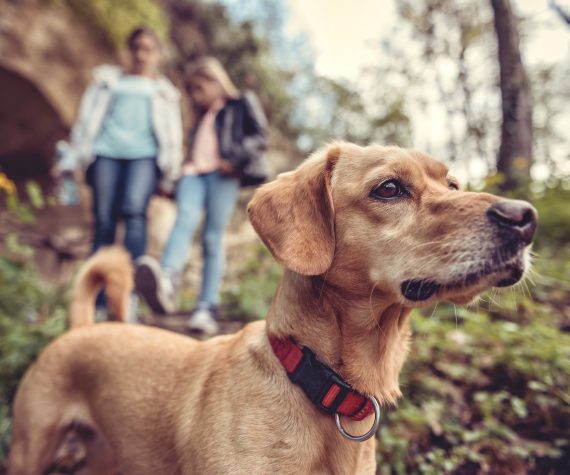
(516, 215)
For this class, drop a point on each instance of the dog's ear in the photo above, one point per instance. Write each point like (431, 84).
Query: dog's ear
(294, 215)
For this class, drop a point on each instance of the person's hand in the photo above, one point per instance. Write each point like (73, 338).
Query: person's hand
(166, 188)
(165, 194)
(226, 168)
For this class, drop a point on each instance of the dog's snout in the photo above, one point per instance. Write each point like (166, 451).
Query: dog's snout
(516, 215)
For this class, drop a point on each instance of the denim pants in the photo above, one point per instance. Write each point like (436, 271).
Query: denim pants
(216, 195)
(122, 189)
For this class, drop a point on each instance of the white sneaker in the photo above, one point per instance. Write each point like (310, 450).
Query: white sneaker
(155, 288)
(132, 313)
(101, 314)
(203, 320)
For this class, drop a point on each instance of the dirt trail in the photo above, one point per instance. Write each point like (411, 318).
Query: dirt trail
(177, 323)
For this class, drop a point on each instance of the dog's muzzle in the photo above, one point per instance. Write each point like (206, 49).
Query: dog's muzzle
(514, 225)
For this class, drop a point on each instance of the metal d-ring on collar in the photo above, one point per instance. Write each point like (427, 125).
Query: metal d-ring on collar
(370, 433)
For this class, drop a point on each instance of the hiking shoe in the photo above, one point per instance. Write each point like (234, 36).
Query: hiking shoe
(203, 320)
(155, 288)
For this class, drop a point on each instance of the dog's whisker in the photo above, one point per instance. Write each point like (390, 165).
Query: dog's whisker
(433, 311)
(494, 296)
(531, 274)
(525, 288)
(439, 244)
(455, 312)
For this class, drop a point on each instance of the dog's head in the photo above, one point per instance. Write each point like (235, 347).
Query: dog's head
(394, 221)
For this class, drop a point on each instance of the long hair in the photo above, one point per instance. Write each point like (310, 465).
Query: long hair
(210, 68)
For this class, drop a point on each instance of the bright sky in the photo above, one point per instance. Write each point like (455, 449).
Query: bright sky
(343, 32)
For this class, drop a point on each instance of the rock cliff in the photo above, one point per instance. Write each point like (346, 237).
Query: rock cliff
(45, 60)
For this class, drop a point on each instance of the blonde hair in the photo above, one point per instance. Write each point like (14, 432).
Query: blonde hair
(210, 68)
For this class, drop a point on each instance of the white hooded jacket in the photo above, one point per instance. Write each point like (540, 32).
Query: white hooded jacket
(166, 121)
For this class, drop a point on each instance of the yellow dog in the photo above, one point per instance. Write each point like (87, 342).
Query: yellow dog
(365, 234)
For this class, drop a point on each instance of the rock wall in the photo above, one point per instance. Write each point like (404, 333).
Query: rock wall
(46, 56)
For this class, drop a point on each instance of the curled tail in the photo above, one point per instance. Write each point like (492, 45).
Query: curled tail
(110, 268)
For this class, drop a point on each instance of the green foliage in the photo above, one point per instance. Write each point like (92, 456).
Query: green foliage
(12, 242)
(24, 210)
(485, 391)
(18, 211)
(35, 194)
(552, 205)
(30, 317)
(117, 19)
(249, 298)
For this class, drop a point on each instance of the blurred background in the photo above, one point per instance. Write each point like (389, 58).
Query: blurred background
(479, 84)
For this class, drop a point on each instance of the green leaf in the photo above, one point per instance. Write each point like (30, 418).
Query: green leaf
(35, 194)
(15, 246)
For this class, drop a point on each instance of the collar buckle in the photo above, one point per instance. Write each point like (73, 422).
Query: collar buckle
(322, 385)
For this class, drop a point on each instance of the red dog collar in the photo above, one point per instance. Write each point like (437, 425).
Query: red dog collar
(328, 391)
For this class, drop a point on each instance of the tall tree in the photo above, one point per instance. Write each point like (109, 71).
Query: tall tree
(515, 152)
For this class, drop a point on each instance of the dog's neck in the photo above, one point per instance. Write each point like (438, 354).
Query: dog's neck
(364, 339)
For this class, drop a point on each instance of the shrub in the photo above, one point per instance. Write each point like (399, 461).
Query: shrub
(486, 393)
(30, 317)
(251, 294)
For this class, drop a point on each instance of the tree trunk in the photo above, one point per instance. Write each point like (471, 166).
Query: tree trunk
(515, 153)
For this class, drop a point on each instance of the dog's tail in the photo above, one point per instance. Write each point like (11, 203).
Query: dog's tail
(110, 268)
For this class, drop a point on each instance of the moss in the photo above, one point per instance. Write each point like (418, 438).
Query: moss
(117, 19)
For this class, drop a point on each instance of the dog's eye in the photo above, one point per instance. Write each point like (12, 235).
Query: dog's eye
(388, 189)
(453, 186)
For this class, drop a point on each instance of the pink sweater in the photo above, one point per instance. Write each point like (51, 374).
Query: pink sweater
(205, 154)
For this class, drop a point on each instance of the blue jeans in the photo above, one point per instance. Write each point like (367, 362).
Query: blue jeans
(216, 195)
(122, 190)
